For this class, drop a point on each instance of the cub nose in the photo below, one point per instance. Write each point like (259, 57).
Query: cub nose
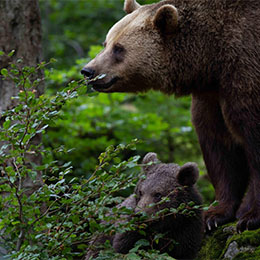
(88, 72)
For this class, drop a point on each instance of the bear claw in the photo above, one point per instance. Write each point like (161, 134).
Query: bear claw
(248, 222)
(215, 217)
(209, 227)
(212, 224)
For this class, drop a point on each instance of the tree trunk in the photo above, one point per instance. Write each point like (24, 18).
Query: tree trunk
(20, 30)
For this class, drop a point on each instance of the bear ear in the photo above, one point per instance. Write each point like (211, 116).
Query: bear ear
(150, 158)
(130, 6)
(188, 174)
(166, 19)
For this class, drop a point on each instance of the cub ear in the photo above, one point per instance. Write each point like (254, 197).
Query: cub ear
(130, 6)
(166, 19)
(149, 158)
(188, 174)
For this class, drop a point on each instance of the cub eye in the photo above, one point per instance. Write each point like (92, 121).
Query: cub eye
(158, 196)
(118, 48)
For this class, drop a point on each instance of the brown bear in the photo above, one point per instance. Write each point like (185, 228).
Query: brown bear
(210, 49)
(182, 229)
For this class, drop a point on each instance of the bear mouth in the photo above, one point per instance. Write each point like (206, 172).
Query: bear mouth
(103, 86)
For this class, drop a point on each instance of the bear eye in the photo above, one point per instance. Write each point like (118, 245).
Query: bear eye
(158, 196)
(140, 194)
(118, 49)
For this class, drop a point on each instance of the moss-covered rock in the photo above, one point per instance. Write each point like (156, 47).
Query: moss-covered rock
(226, 243)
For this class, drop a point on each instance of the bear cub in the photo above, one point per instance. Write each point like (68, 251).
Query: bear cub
(182, 229)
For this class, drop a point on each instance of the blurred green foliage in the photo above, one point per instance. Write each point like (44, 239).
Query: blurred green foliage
(70, 27)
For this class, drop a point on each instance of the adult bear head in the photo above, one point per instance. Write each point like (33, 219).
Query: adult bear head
(136, 55)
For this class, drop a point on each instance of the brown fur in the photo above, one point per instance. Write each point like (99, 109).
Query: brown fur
(213, 54)
(130, 6)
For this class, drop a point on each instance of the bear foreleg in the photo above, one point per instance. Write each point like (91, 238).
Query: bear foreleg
(225, 160)
(249, 217)
(242, 114)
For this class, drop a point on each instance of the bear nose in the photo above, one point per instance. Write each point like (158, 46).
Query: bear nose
(88, 72)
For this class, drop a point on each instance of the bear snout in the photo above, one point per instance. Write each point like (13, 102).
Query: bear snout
(88, 72)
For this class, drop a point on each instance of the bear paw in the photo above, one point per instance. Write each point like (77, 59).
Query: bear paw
(217, 216)
(243, 210)
(249, 221)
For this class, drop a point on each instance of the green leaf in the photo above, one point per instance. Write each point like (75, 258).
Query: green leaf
(11, 53)
(26, 138)
(15, 222)
(4, 72)
(132, 256)
(142, 242)
(52, 60)
(7, 124)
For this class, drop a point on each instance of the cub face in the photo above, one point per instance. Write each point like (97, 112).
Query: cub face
(165, 180)
(135, 57)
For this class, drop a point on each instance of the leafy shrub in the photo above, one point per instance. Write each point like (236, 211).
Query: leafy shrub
(58, 218)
